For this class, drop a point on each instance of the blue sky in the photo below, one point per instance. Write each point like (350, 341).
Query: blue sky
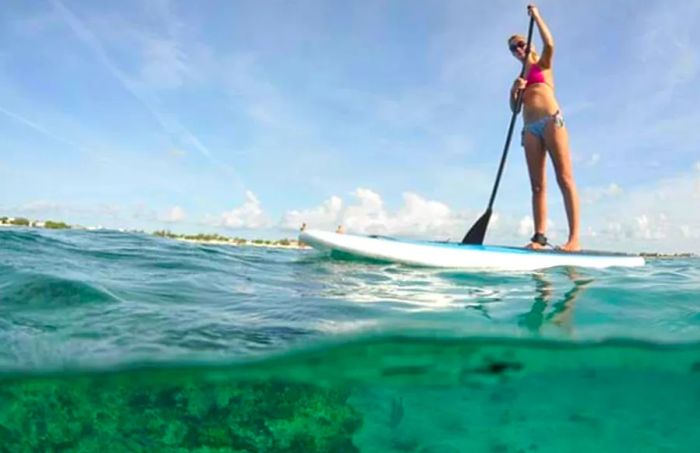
(387, 116)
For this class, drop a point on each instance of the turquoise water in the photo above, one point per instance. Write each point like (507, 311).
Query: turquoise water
(136, 343)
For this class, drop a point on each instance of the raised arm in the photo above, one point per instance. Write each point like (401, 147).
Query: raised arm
(545, 61)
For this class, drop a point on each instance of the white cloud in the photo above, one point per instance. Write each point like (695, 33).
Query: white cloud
(649, 227)
(324, 216)
(690, 232)
(525, 226)
(248, 215)
(175, 214)
(367, 214)
(659, 216)
(643, 226)
(416, 216)
(591, 195)
(589, 232)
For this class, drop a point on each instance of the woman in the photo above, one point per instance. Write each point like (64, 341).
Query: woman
(543, 132)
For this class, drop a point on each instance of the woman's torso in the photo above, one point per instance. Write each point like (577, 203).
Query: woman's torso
(538, 99)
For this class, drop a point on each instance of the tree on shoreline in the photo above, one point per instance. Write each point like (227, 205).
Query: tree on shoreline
(19, 221)
(56, 225)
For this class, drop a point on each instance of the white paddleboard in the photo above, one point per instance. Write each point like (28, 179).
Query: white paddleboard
(459, 256)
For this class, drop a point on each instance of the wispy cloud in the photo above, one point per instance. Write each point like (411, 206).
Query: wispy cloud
(246, 82)
(641, 114)
(38, 128)
(46, 209)
(165, 67)
(164, 63)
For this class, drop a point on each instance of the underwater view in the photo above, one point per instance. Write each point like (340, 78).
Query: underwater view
(131, 342)
(327, 226)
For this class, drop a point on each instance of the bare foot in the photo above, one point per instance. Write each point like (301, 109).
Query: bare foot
(571, 246)
(535, 246)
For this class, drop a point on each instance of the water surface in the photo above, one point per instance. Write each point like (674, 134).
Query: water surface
(144, 343)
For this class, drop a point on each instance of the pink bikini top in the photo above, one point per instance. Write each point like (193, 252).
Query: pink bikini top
(535, 75)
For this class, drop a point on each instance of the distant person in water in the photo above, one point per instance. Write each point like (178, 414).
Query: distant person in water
(340, 229)
(544, 132)
(302, 229)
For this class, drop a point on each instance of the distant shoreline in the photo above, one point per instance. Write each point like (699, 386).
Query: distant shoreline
(277, 244)
(206, 238)
(202, 238)
(668, 255)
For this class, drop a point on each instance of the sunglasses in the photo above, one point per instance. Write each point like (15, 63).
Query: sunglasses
(517, 45)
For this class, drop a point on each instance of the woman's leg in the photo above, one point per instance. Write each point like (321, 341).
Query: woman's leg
(535, 155)
(556, 139)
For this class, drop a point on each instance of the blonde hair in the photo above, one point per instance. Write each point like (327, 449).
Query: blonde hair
(533, 52)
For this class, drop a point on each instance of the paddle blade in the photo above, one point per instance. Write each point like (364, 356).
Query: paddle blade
(476, 234)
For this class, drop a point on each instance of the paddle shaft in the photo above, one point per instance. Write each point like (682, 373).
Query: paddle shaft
(477, 232)
(518, 105)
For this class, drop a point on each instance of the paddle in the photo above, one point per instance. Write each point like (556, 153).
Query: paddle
(478, 230)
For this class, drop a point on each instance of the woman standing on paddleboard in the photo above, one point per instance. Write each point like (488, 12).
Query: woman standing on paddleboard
(543, 132)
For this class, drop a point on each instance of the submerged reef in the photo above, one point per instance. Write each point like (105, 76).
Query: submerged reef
(140, 412)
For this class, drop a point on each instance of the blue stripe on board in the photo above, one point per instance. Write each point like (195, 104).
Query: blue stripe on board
(501, 248)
